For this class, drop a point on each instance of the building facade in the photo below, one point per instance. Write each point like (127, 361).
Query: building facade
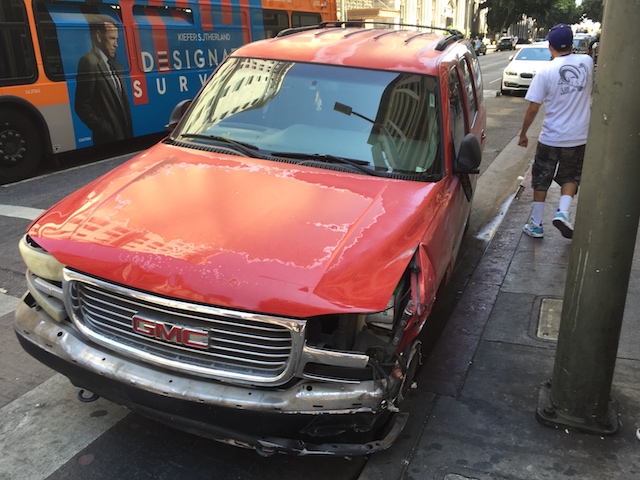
(463, 15)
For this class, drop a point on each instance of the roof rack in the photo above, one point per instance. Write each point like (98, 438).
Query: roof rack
(454, 34)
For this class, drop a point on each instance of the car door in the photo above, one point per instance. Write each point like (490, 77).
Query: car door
(444, 236)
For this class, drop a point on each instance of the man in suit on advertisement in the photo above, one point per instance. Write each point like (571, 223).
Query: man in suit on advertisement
(102, 101)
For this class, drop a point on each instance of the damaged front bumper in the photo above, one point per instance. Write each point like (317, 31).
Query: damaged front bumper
(303, 418)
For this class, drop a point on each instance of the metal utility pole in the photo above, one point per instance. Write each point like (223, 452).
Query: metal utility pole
(579, 395)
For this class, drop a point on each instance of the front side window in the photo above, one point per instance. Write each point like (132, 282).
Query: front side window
(468, 84)
(456, 110)
(477, 74)
(385, 121)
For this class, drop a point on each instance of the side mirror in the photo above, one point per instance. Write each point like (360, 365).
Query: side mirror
(468, 161)
(469, 156)
(177, 113)
(510, 57)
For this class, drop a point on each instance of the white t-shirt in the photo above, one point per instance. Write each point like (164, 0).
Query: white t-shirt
(564, 87)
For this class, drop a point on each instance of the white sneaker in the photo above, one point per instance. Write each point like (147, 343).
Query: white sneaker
(533, 229)
(562, 223)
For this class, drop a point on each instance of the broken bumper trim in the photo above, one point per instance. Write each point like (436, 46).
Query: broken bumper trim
(347, 420)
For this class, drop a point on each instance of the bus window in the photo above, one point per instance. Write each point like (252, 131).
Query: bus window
(65, 35)
(48, 38)
(161, 36)
(273, 21)
(302, 19)
(175, 39)
(17, 59)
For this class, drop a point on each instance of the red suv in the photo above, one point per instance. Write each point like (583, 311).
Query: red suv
(261, 275)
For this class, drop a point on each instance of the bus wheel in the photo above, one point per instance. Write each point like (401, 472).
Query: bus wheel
(20, 147)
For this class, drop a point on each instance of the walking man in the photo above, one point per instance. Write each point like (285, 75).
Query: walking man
(564, 87)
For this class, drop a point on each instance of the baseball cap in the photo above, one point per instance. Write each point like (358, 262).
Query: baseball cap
(560, 37)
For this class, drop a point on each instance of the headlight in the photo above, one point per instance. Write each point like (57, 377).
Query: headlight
(511, 73)
(39, 261)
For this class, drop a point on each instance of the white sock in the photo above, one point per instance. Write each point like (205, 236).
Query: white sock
(538, 208)
(565, 203)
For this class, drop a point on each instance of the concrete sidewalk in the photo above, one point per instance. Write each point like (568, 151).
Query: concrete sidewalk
(481, 422)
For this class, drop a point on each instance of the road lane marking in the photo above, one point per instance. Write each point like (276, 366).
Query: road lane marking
(46, 427)
(15, 211)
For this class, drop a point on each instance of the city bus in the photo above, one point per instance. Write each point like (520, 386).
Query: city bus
(75, 74)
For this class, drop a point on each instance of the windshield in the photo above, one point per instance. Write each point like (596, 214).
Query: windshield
(386, 121)
(541, 53)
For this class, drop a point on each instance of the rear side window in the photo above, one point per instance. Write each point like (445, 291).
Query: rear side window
(17, 59)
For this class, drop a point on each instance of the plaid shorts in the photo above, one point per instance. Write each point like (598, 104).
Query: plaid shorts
(562, 164)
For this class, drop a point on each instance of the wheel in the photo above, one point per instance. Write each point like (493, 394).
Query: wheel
(20, 147)
(505, 92)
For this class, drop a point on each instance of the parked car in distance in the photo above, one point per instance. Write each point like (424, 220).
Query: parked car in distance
(524, 65)
(505, 43)
(581, 44)
(261, 276)
(480, 48)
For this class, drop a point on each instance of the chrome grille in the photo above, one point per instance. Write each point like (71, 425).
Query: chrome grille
(239, 346)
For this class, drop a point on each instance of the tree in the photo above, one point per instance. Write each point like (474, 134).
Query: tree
(546, 13)
(560, 11)
(502, 13)
(500, 16)
(592, 9)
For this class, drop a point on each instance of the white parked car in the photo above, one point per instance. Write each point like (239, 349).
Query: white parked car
(524, 65)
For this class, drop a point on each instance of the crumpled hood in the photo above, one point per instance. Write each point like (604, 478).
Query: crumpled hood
(242, 233)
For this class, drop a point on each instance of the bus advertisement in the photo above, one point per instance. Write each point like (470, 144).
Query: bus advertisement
(75, 74)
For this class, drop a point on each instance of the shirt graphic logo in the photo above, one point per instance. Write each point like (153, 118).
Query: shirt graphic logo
(573, 78)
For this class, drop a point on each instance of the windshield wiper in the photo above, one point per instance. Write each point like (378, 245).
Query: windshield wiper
(245, 148)
(326, 158)
(391, 156)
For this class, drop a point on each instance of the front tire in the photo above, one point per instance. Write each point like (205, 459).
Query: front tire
(20, 146)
